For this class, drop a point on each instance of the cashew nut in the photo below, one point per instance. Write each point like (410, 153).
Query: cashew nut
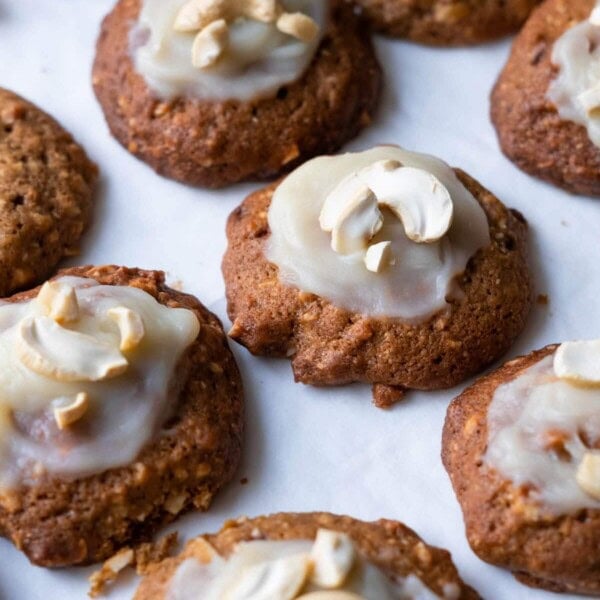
(578, 363)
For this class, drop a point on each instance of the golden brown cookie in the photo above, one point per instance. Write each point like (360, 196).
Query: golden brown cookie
(59, 522)
(531, 132)
(448, 22)
(504, 527)
(389, 545)
(46, 183)
(332, 346)
(218, 143)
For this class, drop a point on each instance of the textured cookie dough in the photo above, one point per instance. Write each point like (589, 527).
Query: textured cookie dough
(59, 522)
(389, 545)
(46, 183)
(558, 553)
(448, 22)
(331, 346)
(218, 143)
(531, 132)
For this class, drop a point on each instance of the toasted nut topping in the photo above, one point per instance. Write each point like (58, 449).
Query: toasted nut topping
(65, 355)
(210, 44)
(351, 211)
(60, 301)
(130, 325)
(578, 363)
(282, 579)
(590, 99)
(417, 197)
(332, 556)
(197, 14)
(212, 41)
(378, 256)
(588, 474)
(298, 25)
(70, 410)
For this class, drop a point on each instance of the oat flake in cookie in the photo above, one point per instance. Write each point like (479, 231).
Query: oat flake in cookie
(121, 408)
(384, 266)
(545, 105)
(448, 22)
(46, 185)
(522, 447)
(312, 556)
(210, 92)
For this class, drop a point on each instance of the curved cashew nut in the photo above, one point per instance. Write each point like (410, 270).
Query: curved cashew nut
(578, 362)
(65, 355)
(415, 196)
(70, 410)
(332, 556)
(59, 301)
(131, 327)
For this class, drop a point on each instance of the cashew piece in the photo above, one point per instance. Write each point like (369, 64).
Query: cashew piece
(67, 414)
(59, 301)
(578, 363)
(130, 326)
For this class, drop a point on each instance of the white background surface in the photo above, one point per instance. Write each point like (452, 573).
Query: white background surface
(307, 449)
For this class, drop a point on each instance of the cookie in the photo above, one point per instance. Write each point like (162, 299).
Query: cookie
(213, 143)
(438, 336)
(443, 23)
(393, 552)
(516, 445)
(530, 129)
(168, 444)
(46, 185)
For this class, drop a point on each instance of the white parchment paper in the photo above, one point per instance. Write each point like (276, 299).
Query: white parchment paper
(307, 449)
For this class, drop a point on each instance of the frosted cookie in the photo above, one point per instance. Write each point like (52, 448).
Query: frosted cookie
(384, 266)
(46, 183)
(121, 408)
(312, 556)
(448, 22)
(212, 92)
(522, 447)
(545, 105)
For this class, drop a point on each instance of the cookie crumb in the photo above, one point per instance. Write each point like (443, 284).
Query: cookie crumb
(385, 396)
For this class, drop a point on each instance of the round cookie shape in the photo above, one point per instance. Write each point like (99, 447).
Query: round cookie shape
(507, 524)
(331, 345)
(388, 545)
(46, 185)
(216, 143)
(62, 521)
(531, 132)
(443, 23)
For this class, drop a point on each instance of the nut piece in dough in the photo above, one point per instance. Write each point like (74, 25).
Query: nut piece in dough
(130, 325)
(298, 25)
(588, 474)
(65, 355)
(282, 579)
(418, 198)
(59, 301)
(70, 410)
(378, 256)
(332, 556)
(578, 363)
(210, 44)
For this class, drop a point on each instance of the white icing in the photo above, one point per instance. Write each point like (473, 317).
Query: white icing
(215, 580)
(259, 59)
(577, 55)
(521, 415)
(416, 286)
(124, 412)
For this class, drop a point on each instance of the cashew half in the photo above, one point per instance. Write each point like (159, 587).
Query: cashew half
(332, 556)
(65, 355)
(210, 44)
(378, 256)
(130, 326)
(578, 363)
(588, 474)
(417, 197)
(282, 579)
(59, 301)
(70, 410)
